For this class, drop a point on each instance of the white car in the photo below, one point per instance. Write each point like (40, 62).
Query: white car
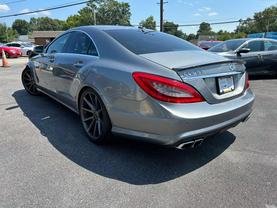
(26, 47)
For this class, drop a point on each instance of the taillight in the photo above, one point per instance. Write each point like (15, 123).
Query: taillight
(247, 82)
(167, 90)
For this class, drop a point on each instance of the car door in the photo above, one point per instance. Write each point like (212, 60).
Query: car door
(253, 59)
(270, 57)
(45, 64)
(79, 54)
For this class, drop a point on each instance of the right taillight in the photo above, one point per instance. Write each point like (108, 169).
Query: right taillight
(247, 82)
(167, 90)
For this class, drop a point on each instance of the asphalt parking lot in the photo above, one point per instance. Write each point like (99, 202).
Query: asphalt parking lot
(47, 161)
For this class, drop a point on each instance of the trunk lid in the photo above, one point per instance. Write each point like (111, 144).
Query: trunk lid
(204, 70)
(183, 59)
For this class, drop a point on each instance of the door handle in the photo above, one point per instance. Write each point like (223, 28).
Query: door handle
(260, 57)
(78, 64)
(51, 59)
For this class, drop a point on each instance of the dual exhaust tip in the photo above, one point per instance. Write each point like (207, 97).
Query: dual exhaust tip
(190, 144)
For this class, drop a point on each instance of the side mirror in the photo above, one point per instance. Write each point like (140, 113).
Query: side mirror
(38, 49)
(243, 50)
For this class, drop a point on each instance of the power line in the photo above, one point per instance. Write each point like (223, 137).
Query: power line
(222, 22)
(12, 2)
(43, 10)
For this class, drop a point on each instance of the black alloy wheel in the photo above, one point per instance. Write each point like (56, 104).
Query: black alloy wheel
(29, 82)
(94, 116)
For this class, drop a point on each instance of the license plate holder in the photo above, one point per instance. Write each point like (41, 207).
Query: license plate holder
(225, 84)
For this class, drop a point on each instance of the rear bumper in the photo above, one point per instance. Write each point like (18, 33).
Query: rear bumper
(15, 55)
(172, 124)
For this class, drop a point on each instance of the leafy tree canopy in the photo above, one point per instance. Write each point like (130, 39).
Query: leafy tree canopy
(262, 22)
(21, 26)
(148, 23)
(107, 12)
(205, 29)
(172, 28)
(7, 34)
(46, 23)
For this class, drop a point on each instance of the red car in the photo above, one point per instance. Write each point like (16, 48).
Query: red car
(11, 52)
(207, 44)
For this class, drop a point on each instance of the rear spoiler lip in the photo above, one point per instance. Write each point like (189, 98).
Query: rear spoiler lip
(177, 69)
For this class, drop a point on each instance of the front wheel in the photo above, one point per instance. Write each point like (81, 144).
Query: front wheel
(94, 117)
(29, 82)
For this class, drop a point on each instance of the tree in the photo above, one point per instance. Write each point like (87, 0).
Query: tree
(205, 29)
(262, 22)
(191, 36)
(46, 23)
(84, 17)
(21, 26)
(7, 34)
(172, 28)
(148, 23)
(107, 12)
(112, 12)
(225, 35)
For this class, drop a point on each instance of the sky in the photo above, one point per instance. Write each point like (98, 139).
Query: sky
(178, 11)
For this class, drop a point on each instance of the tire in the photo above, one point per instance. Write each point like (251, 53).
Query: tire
(29, 53)
(7, 54)
(29, 82)
(94, 117)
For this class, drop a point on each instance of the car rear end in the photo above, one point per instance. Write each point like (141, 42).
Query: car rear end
(209, 99)
(14, 52)
(210, 94)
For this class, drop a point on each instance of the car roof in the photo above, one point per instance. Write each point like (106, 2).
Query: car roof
(250, 39)
(106, 27)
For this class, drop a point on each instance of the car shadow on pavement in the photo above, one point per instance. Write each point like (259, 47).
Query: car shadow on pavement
(124, 160)
(262, 77)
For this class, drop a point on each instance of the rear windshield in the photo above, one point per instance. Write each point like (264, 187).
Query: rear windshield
(208, 44)
(148, 41)
(226, 46)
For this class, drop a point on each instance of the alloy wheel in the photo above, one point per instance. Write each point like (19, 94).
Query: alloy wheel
(29, 82)
(94, 116)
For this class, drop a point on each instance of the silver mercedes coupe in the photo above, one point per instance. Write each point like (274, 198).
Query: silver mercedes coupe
(141, 83)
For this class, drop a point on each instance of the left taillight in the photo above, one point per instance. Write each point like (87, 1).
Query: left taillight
(167, 90)
(247, 82)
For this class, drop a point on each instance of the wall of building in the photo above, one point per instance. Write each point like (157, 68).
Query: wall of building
(43, 41)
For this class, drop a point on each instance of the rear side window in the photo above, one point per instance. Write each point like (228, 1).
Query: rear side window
(13, 44)
(270, 45)
(58, 44)
(81, 43)
(226, 46)
(148, 41)
(255, 46)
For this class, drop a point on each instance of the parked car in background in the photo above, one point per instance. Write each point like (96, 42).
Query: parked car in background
(26, 47)
(37, 50)
(11, 52)
(141, 83)
(271, 35)
(207, 44)
(260, 54)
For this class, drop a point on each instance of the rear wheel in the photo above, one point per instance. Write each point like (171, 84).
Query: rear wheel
(29, 82)
(29, 53)
(7, 55)
(94, 117)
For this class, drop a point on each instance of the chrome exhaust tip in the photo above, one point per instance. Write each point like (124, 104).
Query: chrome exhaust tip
(190, 144)
(198, 142)
(186, 145)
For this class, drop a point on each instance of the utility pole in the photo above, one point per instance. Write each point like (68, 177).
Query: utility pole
(162, 2)
(94, 16)
(161, 15)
